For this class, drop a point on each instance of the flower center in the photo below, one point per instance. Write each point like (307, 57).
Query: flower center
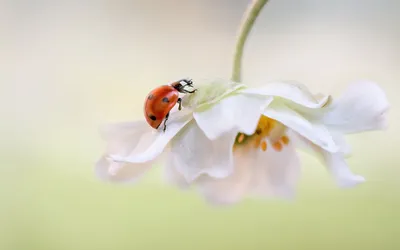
(269, 132)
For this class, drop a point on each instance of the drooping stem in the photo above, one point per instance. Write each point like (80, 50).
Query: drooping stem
(247, 23)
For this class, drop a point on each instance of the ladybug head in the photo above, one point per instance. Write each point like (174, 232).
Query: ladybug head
(182, 84)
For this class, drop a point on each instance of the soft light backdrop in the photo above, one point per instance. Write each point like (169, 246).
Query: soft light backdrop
(66, 67)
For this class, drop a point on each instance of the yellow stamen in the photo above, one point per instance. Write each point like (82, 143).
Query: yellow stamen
(266, 128)
(285, 140)
(265, 125)
(277, 146)
(264, 146)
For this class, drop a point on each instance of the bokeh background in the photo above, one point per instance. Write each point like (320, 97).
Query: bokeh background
(67, 67)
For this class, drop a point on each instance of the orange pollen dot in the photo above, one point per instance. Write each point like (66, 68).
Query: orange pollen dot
(277, 146)
(285, 140)
(241, 138)
(264, 146)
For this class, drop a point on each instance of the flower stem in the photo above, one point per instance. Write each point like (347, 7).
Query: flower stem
(248, 21)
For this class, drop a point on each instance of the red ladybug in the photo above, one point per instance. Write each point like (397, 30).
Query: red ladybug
(161, 100)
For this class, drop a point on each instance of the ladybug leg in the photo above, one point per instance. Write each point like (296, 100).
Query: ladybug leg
(166, 118)
(180, 103)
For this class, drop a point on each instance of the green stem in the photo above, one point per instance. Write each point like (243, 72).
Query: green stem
(248, 21)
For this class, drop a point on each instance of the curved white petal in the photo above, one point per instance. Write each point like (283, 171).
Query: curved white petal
(259, 173)
(238, 112)
(121, 138)
(173, 176)
(276, 174)
(193, 154)
(152, 144)
(210, 92)
(295, 92)
(303, 144)
(316, 133)
(362, 107)
(335, 162)
(233, 188)
(120, 172)
(340, 171)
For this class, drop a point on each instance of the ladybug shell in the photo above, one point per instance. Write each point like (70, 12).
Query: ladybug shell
(159, 103)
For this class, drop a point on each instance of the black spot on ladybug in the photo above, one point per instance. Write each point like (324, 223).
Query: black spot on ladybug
(165, 99)
(153, 117)
(150, 97)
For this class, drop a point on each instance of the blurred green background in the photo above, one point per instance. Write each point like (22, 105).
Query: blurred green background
(66, 67)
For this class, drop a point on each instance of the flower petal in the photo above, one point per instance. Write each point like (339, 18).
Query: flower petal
(240, 112)
(340, 171)
(276, 174)
(173, 176)
(303, 144)
(362, 107)
(210, 92)
(267, 174)
(123, 137)
(233, 188)
(335, 162)
(193, 154)
(120, 172)
(295, 92)
(153, 143)
(316, 133)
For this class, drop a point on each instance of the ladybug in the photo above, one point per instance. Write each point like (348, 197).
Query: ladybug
(161, 100)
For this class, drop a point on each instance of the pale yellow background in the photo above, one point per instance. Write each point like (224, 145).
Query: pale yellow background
(66, 67)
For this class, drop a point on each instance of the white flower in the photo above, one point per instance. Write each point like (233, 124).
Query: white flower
(232, 141)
